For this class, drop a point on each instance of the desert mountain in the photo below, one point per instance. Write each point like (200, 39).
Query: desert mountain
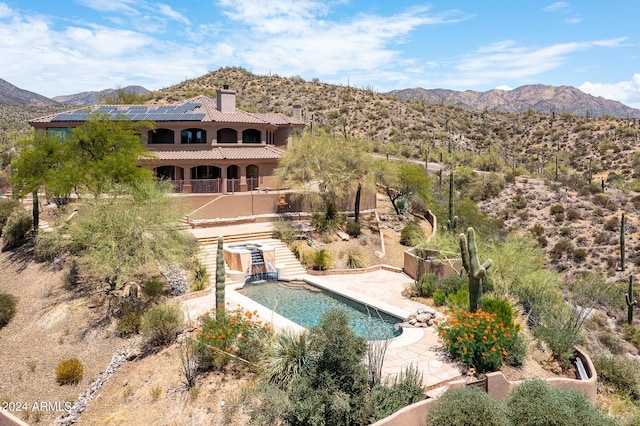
(537, 97)
(94, 97)
(12, 95)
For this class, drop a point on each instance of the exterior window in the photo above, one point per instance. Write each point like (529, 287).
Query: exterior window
(227, 136)
(60, 133)
(252, 177)
(251, 136)
(160, 136)
(193, 136)
(206, 172)
(166, 172)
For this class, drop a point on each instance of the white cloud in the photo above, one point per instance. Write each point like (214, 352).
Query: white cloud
(573, 20)
(559, 6)
(627, 92)
(5, 10)
(111, 5)
(167, 11)
(504, 87)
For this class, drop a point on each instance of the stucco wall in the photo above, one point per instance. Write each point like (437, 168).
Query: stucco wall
(440, 268)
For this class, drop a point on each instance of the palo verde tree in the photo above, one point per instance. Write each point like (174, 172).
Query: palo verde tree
(134, 229)
(326, 165)
(403, 180)
(89, 158)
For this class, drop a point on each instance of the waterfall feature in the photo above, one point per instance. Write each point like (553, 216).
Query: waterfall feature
(260, 269)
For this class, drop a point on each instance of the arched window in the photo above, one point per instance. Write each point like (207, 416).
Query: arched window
(252, 177)
(160, 136)
(166, 172)
(227, 136)
(193, 136)
(251, 136)
(233, 178)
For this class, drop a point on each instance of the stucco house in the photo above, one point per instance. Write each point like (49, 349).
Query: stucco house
(202, 145)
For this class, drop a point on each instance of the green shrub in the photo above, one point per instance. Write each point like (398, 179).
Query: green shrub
(611, 341)
(152, 288)
(503, 311)
(424, 287)
(467, 406)
(161, 323)
(579, 255)
(8, 304)
(572, 215)
(405, 389)
(48, 246)
(517, 352)
(288, 359)
(477, 339)
(439, 297)
(129, 323)
(412, 235)
(620, 373)
(284, 230)
(7, 206)
(353, 229)
(452, 283)
(14, 233)
(631, 334)
(557, 211)
(200, 277)
(535, 402)
(321, 259)
(355, 258)
(560, 339)
(331, 220)
(612, 224)
(69, 371)
(228, 332)
(459, 299)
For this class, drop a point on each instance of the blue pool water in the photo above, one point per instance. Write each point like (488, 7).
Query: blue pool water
(305, 307)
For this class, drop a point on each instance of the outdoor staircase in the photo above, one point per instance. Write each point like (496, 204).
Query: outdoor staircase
(284, 256)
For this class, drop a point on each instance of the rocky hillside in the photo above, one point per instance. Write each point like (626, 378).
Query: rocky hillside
(537, 97)
(12, 95)
(95, 97)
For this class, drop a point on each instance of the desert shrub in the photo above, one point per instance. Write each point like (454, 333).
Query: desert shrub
(298, 248)
(599, 238)
(129, 323)
(611, 341)
(467, 406)
(69, 372)
(439, 297)
(355, 258)
(353, 229)
(48, 246)
(601, 199)
(412, 235)
(572, 214)
(161, 323)
(229, 332)
(535, 402)
(564, 247)
(200, 277)
(8, 304)
(537, 230)
(423, 287)
(14, 233)
(321, 259)
(579, 255)
(405, 389)
(288, 358)
(329, 221)
(452, 283)
(557, 211)
(459, 299)
(631, 334)
(620, 373)
(284, 230)
(611, 224)
(477, 339)
(266, 404)
(7, 206)
(518, 350)
(561, 338)
(502, 309)
(565, 231)
(152, 288)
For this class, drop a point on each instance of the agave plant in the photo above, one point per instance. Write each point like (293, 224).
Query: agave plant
(289, 356)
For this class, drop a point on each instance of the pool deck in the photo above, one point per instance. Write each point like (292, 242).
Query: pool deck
(381, 289)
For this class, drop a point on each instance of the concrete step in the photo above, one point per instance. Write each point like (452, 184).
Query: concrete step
(231, 239)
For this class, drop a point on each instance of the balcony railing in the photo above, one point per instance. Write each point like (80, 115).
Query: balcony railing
(204, 186)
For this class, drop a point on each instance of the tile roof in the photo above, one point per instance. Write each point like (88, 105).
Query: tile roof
(265, 152)
(199, 108)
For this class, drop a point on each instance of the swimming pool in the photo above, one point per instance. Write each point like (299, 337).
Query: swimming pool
(305, 304)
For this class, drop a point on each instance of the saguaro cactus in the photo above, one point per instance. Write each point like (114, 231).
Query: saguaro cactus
(220, 276)
(622, 243)
(631, 302)
(450, 221)
(471, 263)
(357, 205)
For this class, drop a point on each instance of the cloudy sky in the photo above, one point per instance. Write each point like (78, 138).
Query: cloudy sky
(68, 46)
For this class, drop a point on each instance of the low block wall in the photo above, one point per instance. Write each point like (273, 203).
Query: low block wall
(415, 267)
(497, 387)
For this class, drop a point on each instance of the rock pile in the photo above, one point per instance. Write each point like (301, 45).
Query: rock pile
(424, 317)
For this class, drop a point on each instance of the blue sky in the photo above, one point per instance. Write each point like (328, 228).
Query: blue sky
(68, 46)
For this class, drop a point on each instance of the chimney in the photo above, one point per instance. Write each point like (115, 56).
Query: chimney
(297, 112)
(226, 101)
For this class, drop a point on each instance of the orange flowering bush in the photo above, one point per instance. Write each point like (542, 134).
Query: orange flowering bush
(477, 339)
(229, 332)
